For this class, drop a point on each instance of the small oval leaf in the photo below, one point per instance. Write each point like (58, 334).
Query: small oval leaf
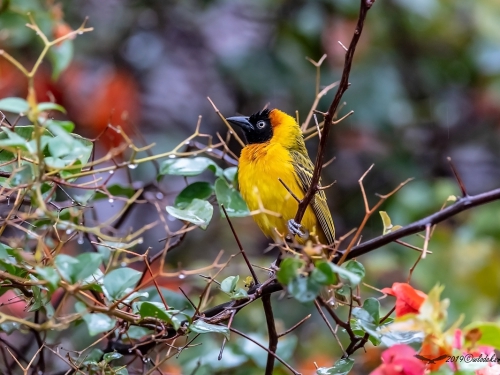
(198, 212)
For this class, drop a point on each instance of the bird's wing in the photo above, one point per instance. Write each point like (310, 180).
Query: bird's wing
(304, 169)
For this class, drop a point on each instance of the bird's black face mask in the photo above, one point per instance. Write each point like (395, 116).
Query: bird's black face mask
(257, 127)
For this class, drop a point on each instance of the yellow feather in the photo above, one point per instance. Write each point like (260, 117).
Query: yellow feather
(261, 165)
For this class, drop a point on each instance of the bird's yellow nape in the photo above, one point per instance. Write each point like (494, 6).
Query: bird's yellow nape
(278, 118)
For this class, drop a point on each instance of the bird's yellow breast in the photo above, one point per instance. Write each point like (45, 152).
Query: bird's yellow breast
(260, 166)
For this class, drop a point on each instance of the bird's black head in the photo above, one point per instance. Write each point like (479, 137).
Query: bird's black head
(257, 127)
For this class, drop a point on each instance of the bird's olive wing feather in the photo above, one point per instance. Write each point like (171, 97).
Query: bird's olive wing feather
(304, 169)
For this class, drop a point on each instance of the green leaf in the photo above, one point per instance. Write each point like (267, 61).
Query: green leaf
(94, 281)
(67, 126)
(240, 293)
(14, 105)
(118, 281)
(82, 149)
(38, 300)
(372, 306)
(288, 270)
(304, 289)
(197, 190)
(229, 284)
(12, 139)
(60, 57)
(341, 367)
(323, 274)
(49, 106)
(390, 338)
(366, 321)
(356, 268)
(202, 327)
(489, 333)
(49, 274)
(23, 175)
(9, 261)
(61, 145)
(187, 166)
(231, 199)
(108, 357)
(157, 310)
(58, 131)
(96, 322)
(74, 147)
(198, 212)
(230, 174)
(352, 278)
(386, 221)
(93, 356)
(55, 162)
(9, 327)
(136, 333)
(79, 268)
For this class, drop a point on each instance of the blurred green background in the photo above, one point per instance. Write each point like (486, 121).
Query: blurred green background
(425, 86)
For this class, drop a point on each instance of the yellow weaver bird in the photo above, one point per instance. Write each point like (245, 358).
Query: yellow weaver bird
(276, 149)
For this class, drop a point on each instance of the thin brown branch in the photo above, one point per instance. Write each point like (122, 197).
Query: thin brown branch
(243, 253)
(318, 307)
(365, 5)
(294, 327)
(462, 204)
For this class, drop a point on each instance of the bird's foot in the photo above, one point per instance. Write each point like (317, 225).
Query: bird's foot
(297, 229)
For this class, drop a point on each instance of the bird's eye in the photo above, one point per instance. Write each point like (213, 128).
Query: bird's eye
(261, 124)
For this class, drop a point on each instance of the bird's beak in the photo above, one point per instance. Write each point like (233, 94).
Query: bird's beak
(240, 121)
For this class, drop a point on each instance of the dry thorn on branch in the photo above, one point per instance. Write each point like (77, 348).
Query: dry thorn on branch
(317, 126)
(327, 186)
(344, 47)
(427, 238)
(322, 93)
(410, 246)
(457, 177)
(342, 118)
(294, 327)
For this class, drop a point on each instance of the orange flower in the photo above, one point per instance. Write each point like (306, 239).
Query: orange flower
(408, 299)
